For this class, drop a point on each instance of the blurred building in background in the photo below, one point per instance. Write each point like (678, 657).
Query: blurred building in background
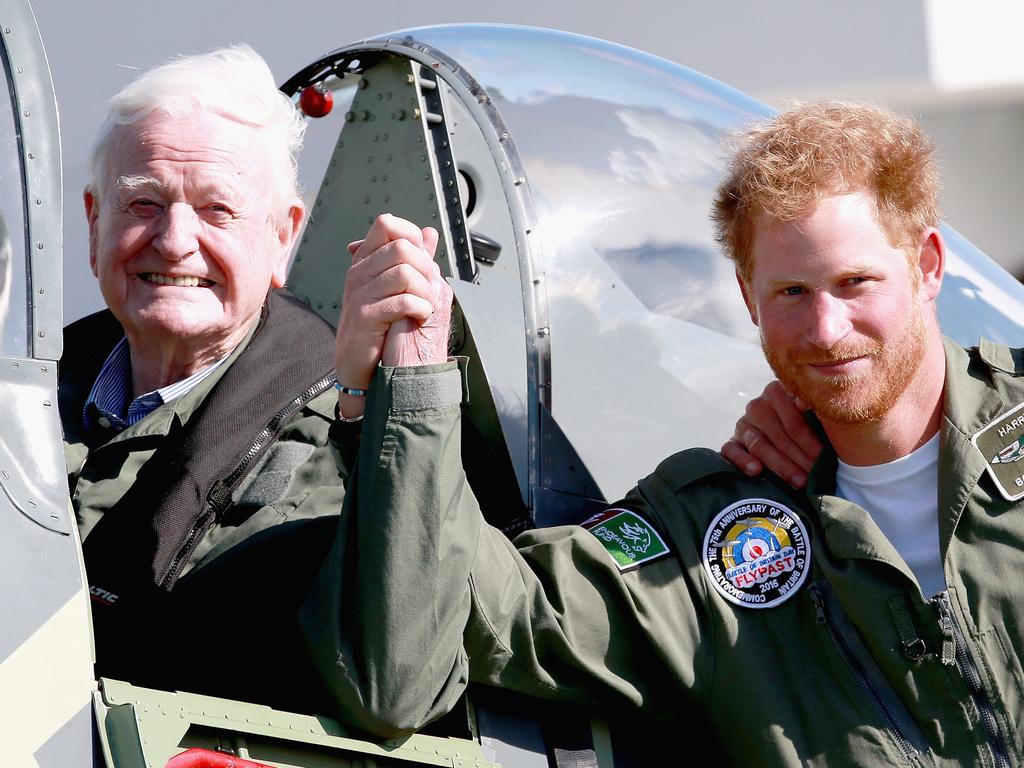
(956, 67)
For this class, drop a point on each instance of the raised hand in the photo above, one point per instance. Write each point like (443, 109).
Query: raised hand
(396, 308)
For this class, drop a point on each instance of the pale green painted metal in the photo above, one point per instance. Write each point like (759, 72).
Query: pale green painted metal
(143, 728)
(465, 97)
(354, 191)
(384, 162)
(46, 637)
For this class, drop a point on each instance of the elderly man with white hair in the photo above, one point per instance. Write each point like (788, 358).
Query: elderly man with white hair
(197, 406)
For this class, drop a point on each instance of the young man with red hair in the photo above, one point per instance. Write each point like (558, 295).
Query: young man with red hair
(873, 620)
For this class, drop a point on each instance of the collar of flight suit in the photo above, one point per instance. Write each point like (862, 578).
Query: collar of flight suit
(969, 403)
(162, 419)
(974, 396)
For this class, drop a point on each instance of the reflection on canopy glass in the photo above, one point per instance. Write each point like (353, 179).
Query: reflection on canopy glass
(648, 332)
(622, 152)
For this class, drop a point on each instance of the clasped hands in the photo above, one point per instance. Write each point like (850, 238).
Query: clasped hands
(396, 308)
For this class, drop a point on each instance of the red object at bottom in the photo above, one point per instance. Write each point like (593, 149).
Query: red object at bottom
(205, 758)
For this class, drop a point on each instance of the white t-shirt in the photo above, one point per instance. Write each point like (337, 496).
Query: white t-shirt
(903, 499)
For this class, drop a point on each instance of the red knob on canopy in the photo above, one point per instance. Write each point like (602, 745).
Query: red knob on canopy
(316, 101)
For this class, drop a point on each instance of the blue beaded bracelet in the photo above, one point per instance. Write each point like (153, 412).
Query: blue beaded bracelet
(349, 390)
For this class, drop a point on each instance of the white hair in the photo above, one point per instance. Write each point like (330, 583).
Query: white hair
(234, 82)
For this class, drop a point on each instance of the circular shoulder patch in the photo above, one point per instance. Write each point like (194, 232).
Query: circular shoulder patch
(757, 553)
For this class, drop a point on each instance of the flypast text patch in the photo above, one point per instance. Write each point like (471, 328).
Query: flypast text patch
(756, 553)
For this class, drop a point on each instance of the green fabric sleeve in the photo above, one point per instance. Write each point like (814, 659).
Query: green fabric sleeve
(373, 607)
(415, 566)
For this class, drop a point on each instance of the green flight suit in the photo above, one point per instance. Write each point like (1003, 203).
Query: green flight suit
(99, 474)
(229, 627)
(852, 666)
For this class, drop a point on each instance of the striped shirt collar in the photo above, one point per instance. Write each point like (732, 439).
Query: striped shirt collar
(108, 400)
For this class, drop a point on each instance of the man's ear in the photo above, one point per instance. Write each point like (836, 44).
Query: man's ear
(745, 290)
(931, 259)
(92, 212)
(287, 236)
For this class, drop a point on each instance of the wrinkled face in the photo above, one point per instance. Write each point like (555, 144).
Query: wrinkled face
(839, 310)
(185, 241)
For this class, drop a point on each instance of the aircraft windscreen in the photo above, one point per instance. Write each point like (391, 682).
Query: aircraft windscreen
(622, 150)
(979, 298)
(649, 337)
(13, 281)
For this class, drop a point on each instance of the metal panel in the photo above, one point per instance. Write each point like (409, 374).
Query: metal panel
(143, 727)
(68, 741)
(493, 303)
(15, 312)
(32, 471)
(483, 152)
(36, 116)
(46, 644)
(47, 679)
(384, 162)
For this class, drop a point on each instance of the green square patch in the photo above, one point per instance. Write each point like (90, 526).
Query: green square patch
(629, 539)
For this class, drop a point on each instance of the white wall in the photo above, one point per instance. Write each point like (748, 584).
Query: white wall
(875, 49)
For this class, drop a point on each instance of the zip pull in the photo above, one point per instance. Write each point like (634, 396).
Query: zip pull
(218, 499)
(941, 601)
(819, 603)
(913, 647)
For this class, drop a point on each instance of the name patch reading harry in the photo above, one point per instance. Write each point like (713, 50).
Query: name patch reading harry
(629, 539)
(1002, 445)
(757, 553)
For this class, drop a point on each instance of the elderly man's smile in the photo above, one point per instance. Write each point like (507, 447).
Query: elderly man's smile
(186, 281)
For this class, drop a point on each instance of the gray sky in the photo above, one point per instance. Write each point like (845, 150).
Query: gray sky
(94, 47)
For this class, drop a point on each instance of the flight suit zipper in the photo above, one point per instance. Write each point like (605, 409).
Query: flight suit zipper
(904, 731)
(219, 497)
(972, 678)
